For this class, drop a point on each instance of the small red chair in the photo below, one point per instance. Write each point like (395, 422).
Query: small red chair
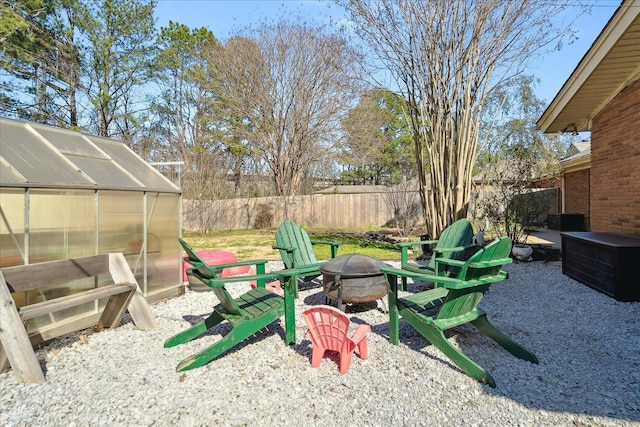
(328, 328)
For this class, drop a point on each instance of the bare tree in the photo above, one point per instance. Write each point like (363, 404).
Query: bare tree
(445, 56)
(403, 201)
(289, 87)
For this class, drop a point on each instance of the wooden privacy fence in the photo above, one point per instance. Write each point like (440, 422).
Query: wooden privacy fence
(333, 211)
(317, 210)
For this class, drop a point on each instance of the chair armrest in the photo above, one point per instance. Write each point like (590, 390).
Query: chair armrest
(360, 333)
(421, 242)
(284, 248)
(438, 251)
(478, 264)
(255, 262)
(309, 268)
(323, 242)
(334, 246)
(217, 267)
(423, 269)
(273, 275)
(485, 280)
(214, 270)
(427, 277)
(221, 282)
(447, 282)
(404, 250)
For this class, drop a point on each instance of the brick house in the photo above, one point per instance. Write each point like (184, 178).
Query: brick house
(602, 96)
(576, 170)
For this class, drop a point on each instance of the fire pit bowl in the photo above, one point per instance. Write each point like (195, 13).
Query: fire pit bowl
(353, 278)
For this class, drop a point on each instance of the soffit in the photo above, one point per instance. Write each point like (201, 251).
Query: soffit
(610, 65)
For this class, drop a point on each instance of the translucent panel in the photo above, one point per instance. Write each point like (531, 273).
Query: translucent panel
(106, 173)
(88, 158)
(69, 142)
(40, 156)
(35, 160)
(164, 255)
(8, 174)
(120, 226)
(62, 224)
(63, 316)
(141, 170)
(43, 322)
(12, 243)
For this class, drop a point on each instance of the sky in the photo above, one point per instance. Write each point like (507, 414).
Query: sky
(224, 17)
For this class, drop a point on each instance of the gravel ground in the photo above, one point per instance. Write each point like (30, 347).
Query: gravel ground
(589, 372)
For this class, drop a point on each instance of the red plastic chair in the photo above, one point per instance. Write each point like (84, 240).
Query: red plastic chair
(328, 328)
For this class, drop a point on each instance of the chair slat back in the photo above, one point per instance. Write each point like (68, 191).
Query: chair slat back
(289, 234)
(328, 328)
(203, 272)
(460, 233)
(462, 301)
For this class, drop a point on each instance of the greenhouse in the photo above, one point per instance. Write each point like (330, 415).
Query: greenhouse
(66, 194)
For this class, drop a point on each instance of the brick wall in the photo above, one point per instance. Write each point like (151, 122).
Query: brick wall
(576, 193)
(615, 164)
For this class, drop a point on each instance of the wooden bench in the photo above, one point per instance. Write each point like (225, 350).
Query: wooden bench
(16, 344)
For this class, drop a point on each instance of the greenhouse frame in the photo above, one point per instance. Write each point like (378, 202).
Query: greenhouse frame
(65, 194)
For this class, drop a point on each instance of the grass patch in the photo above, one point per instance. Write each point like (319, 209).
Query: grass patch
(257, 244)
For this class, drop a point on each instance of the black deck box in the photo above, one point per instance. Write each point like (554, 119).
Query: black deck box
(566, 222)
(607, 262)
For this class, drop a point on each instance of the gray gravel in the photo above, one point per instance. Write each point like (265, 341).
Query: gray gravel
(589, 372)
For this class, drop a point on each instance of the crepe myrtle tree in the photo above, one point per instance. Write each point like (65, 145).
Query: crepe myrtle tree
(444, 57)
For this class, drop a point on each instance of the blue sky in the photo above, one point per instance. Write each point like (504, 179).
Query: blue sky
(223, 17)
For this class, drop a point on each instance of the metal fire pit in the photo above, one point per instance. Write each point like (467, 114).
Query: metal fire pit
(353, 278)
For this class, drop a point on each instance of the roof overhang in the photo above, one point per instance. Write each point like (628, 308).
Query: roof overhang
(576, 163)
(610, 65)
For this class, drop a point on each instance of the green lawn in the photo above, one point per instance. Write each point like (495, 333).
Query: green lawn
(257, 244)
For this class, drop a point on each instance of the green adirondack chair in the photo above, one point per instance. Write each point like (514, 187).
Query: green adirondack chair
(454, 303)
(296, 250)
(247, 314)
(452, 244)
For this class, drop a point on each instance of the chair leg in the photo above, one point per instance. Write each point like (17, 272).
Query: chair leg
(316, 356)
(394, 316)
(363, 349)
(208, 354)
(384, 305)
(468, 366)
(345, 361)
(483, 324)
(236, 335)
(194, 331)
(289, 317)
